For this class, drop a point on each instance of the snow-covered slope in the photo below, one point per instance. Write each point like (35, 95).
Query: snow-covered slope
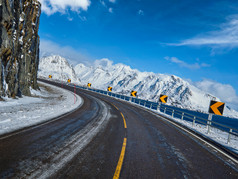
(58, 67)
(148, 85)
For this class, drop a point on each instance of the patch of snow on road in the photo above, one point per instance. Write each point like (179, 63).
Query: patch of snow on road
(44, 105)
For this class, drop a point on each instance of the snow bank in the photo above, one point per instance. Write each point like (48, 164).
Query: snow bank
(46, 104)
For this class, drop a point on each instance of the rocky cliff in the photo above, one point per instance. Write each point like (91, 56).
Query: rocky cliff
(19, 51)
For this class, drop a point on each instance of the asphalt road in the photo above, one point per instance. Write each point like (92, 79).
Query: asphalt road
(89, 142)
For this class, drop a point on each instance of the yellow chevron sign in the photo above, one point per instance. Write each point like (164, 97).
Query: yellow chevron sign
(89, 84)
(50, 76)
(133, 93)
(216, 107)
(163, 98)
(109, 88)
(69, 80)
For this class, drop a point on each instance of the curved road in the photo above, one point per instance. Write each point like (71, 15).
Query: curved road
(106, 138)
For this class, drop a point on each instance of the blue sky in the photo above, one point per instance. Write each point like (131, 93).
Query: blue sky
(193, 39)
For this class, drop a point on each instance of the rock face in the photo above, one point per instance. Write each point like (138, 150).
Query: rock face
(19, 51)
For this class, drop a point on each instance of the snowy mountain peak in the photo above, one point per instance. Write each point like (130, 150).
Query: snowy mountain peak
(55, 59)
(58, 67)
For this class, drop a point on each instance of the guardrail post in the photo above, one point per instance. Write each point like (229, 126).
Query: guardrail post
(158, 107)
(144, 103)
(173, 114)
(209, 123)
(182, 116)
(194, 118)
(229, 136)
(150, 105)
(74, 93)
(165, 110)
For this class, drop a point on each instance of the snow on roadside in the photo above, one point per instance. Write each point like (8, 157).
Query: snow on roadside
(46, 104)
(215, 134)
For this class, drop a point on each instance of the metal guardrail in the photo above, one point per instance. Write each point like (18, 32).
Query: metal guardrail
(203, 121)
(168, 110)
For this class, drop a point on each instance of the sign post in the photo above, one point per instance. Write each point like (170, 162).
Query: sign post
(74, 93)
(217, 108)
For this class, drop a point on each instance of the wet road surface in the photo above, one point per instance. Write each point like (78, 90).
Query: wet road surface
(88, 142)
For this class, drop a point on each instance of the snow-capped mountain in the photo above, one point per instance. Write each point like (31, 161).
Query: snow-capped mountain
(148, 85)
(58, 67)
(123, 79)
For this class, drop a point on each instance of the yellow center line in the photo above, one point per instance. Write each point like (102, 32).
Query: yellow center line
(124, 120)
(115, 106)
(120, 161)
(122, 116)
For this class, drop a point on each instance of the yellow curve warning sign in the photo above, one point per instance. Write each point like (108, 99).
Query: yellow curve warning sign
(133, 93)
(69, 80)
(50, 76)
(216, 107)
(89, 84)
(109, 88)
(163, 98)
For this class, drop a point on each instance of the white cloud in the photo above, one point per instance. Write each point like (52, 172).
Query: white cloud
(140, 12)
(226, 36)
(48, 47)
(223, 91)
(186, 65)
(110, 10)
(104, 62)
(52, 6)
(112, 1)
(103, 3)
(70, 18)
